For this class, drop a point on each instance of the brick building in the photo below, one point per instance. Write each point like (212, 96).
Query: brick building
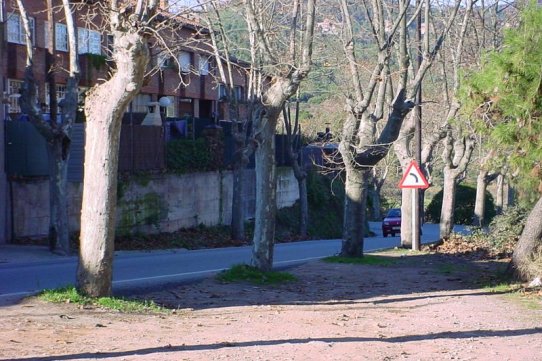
(185, 73)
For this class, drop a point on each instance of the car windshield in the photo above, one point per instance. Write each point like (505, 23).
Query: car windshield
(394, 213)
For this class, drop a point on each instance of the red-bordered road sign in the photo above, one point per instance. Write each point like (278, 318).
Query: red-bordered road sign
(413, 177)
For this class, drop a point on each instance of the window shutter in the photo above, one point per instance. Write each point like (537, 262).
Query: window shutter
(61, 39)
(185, 61)
(94, 42)
(14, 26)
(82, 40)
(203, 65)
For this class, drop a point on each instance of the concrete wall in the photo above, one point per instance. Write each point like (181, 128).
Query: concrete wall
(151, 204)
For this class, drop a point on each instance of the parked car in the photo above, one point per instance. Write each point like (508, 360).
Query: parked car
(391, 224)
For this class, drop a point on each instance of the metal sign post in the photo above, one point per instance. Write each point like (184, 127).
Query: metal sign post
(414, 179)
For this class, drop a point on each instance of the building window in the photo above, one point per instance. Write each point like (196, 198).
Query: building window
(16, 33)
(14, 93)
(163, 60)
(185, 61)
(61, 37)
(222, 93)
(239, 93)
(203, 65)
(172, 111)
(89, 41)
(140, 104)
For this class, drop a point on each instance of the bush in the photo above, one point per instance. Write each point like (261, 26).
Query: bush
(464, 206)
(325, 197)
(186, 155)
(503, 233)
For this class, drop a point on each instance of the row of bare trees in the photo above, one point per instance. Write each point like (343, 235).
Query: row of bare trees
(381, 92)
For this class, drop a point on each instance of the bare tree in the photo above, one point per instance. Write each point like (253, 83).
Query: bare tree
(456, 156)
(240, 124)
(378, 177)
(359, 147)
(434, 133)
(283, 70)
(56, 130)
(293, 146)
(130, 23)
(483, 179)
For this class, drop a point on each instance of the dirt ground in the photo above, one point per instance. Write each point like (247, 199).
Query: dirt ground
(423, 307)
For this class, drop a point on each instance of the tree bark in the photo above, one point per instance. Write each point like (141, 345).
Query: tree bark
(104, 107)
(293, 131)
(529, 245)
(448, 204)
(266, 199)
(354, 212)
(265, 114)
(303, 207)
(57, 132)
(237, 213)
(58, 205)
(499, 203)
(480, 203)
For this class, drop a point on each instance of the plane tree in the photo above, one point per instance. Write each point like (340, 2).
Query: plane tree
(281, 38)
(374, 98)
(55, 127)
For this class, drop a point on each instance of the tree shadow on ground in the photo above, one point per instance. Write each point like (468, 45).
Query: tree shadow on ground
(406, 278)
(215, 346)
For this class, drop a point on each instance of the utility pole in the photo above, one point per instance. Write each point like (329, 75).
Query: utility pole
(417, 202)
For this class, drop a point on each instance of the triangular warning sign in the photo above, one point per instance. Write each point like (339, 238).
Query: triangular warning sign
(413, 177)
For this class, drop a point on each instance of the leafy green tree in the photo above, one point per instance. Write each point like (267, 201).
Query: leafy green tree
(505, 96)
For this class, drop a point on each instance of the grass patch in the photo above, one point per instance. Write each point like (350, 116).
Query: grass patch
(370, 260)
(504, 287)
(71, 295)
(399, 251)
(243, 272)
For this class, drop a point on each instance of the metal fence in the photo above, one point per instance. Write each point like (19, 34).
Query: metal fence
(141, 149)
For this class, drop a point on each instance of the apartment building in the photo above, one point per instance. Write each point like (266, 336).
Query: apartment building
(185, 74)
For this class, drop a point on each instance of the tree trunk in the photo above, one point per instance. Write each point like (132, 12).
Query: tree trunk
(499, 204)
(354, 212)
(266, 203)
(374, 193)
(104, 107)
(56, 131)
(529, 245)
(303, 207)
(237, 209)
(448, 205)
(480, 204)
(59, 234)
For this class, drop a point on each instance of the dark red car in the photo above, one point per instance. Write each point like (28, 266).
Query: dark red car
(392, 222)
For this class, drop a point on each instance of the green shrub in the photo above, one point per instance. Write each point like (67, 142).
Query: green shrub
(326, 211)
(72, 295)
(503, 232)
(187, 155)
(326, 207)
(464, 206)
(243, 272)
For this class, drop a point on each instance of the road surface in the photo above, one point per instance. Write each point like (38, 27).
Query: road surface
(133, 270)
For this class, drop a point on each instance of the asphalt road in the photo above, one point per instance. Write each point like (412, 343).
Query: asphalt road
(135, 270)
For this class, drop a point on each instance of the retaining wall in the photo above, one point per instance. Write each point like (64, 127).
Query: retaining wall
(150, 204)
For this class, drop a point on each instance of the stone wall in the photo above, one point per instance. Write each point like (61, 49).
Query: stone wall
(150, 204)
